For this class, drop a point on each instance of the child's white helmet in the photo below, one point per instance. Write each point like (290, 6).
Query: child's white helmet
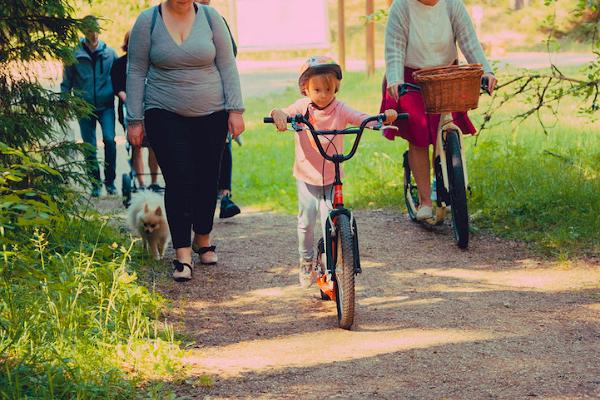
(317, 65)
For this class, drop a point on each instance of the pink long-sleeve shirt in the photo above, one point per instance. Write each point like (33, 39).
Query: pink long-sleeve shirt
(309, 165)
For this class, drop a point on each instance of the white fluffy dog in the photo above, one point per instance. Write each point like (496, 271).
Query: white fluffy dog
(147, 218)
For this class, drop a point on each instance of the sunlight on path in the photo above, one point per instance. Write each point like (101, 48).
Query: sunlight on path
(536, 279)
(304, 350)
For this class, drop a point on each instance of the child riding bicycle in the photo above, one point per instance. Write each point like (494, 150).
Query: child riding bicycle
(319, 82)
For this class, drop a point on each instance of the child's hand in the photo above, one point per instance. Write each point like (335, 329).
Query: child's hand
(280, 119)
(390, 116)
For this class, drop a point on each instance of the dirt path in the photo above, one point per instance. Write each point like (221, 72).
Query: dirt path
(433, 322)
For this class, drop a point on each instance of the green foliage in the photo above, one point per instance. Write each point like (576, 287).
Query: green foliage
(72, 321)
(527, 185)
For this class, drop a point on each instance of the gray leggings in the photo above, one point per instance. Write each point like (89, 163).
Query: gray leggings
(310, 206)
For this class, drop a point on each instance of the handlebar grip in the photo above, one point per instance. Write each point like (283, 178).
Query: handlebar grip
(270, 120)
(485, 82)
(402, 116)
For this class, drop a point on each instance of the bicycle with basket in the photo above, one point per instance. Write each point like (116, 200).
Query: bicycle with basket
(446, 90)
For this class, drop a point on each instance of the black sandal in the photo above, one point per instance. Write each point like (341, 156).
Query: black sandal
(206, 260)
(182, 272)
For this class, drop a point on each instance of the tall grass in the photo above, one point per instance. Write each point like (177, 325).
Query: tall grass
(527, 185)
(74, 322)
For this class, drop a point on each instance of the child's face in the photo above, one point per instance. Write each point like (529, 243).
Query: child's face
(320, 91)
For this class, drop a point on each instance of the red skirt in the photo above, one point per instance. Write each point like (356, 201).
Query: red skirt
(420, 128)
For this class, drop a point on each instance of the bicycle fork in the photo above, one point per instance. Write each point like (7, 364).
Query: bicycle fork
(446, 125)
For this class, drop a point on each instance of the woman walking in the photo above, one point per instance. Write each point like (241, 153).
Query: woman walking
(183, 89)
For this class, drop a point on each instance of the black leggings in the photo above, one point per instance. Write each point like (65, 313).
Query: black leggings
(188, 150)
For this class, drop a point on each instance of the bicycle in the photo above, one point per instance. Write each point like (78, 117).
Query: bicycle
(340, 245)
(450, 176)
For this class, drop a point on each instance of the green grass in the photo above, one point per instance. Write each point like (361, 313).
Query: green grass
(527, 185)
(74, 320)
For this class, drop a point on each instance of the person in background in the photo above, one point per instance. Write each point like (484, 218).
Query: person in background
(228, 208)
(183, 90)
(89, 77)
(421, 34)
(118, 75)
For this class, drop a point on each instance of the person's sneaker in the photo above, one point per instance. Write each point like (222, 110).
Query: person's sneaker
(424, 213)
(182, 272)
(306, 272)
(228, 207)
(111, 190)
(155, 187)
(96, 191)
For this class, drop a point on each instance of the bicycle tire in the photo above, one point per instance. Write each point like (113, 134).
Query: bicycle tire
(458, 193)
(126, 189)
(411, 194)
(344, 273)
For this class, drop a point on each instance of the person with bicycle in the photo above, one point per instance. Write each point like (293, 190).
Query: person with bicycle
(319, 83)
(118, 76)
(421, 34)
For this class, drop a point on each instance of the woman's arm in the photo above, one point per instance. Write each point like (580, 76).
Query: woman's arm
(225, 62)
(117, 76)
(466, 36)
(396, 40)
(137, 67)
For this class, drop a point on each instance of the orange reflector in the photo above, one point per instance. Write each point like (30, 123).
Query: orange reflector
(326, 287)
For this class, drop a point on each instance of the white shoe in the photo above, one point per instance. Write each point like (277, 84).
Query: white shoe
(424, 213)
(182, 272)
(306, 273)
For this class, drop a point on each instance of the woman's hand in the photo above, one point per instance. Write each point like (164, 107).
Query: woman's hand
(280, 119)
(235, 124)
(393, 91)
(135, 133)
(492, 81)
(390, 116)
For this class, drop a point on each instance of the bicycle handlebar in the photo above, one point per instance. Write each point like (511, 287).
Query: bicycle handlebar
(269, 120)
(336, 158)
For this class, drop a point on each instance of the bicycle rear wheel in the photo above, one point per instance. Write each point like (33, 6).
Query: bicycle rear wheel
(411, 195)
(458, 193)
(343, 281)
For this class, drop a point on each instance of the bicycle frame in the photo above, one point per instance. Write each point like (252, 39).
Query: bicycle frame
(338, 196)
(445, 125)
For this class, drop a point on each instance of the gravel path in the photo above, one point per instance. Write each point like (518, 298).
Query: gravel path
(432, 322)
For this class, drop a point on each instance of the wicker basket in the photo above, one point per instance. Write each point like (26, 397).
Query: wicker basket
(453, 88)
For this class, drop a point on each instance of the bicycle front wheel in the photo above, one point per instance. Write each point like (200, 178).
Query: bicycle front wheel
(458, 193)
(411, 194)
(344, 273)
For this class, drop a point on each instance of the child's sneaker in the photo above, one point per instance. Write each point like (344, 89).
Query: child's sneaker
(306, 273)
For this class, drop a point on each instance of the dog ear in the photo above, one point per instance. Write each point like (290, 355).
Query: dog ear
(145, 207)
(158, 211)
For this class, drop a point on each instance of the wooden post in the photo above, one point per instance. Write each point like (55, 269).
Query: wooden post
(341, 35)
(370, 39)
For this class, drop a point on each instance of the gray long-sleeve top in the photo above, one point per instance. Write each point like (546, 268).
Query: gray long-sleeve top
(196, 78)
(396, 38)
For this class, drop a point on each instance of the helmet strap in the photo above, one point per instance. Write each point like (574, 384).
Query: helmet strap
(321, 108)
